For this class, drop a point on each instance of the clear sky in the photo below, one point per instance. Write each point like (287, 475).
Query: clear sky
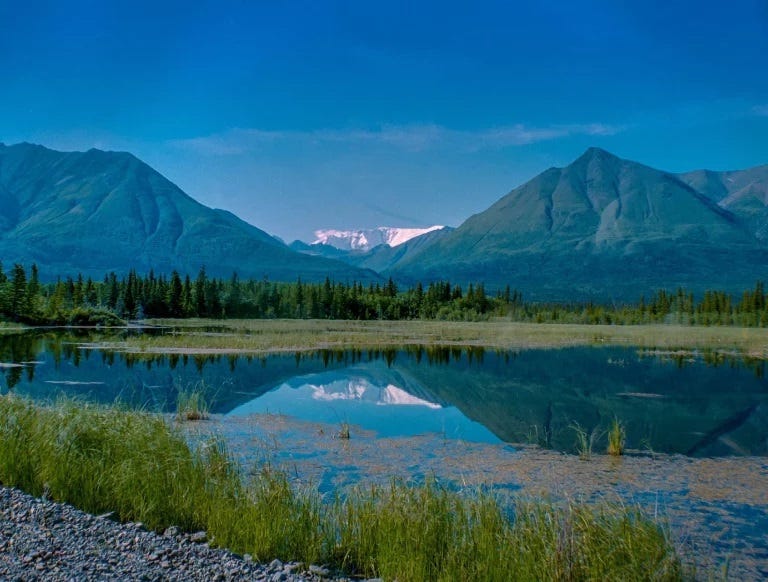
(299, 115)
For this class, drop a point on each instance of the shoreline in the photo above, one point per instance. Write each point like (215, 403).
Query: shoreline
(46, 540)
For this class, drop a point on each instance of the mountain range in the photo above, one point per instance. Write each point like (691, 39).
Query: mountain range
(600, 228)
(94, 212)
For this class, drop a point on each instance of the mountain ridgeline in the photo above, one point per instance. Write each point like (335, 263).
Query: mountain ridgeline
(602, 229)
(97, 212)
(605, 228)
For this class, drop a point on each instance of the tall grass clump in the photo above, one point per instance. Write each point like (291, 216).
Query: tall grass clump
(585, 441)
(138, 466)
(192, 404)
(343, 433)
(617, 437)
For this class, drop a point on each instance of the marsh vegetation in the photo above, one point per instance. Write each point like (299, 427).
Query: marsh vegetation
(137, 465)
(267, 336)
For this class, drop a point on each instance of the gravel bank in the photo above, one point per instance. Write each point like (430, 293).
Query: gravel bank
(43, 540)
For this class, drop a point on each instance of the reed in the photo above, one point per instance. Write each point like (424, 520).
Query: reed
(585, 441)
(617, 437)
(192, 404)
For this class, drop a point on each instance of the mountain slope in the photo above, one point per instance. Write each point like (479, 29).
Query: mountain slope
(384, 257)
(95, 211)
(601, 227)
(743, 192)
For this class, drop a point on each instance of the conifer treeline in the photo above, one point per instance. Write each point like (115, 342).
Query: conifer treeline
(83, 301)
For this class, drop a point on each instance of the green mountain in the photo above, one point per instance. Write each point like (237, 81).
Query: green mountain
(743, 192)
(606, 228)
(95, 212)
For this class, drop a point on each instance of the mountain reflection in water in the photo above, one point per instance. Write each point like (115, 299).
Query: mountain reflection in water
(374, 396)
(696, 403)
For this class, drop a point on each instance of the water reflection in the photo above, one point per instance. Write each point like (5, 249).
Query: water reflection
(697, 403)
(364, 395)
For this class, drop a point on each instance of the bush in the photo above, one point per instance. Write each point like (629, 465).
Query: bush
(93, 317)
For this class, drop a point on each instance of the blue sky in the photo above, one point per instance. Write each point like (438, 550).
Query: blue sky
(305, 115)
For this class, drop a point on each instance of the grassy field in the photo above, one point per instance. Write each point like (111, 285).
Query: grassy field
(264, 336)
(140, 467)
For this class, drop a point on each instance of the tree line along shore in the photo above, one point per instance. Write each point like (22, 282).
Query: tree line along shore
(78, 300)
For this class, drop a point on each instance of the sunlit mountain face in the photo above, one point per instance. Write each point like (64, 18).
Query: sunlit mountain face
(366, 239)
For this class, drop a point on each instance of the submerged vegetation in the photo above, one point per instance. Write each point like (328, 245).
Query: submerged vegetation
(137, 465)
(79, 301)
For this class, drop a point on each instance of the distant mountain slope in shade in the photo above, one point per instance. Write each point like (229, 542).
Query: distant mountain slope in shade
(368, 238)
(604, 227)
(743, 192)
(384, 257)
(321, 250)
(95, 212)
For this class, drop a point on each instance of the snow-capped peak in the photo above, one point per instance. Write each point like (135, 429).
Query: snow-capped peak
(365, 239)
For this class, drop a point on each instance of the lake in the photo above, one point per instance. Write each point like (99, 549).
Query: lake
(696, 421)
(692, 403)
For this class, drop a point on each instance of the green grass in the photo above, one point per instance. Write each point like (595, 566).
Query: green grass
(192, 404)
(343, 431)
(617, 438)
(585, 442)
(140, 467)
(102, 460)
(265, 336)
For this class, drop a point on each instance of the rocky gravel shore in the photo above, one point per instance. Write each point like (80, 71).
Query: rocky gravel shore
(42, 540)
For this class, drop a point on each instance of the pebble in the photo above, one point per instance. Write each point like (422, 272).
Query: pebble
(43, 540)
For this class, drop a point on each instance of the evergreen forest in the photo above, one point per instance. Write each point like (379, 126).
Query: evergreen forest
(83, 301)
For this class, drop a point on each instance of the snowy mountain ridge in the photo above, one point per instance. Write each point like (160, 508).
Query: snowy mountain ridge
(366, 239)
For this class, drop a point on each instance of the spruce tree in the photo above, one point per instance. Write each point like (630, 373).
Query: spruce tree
(19, 303)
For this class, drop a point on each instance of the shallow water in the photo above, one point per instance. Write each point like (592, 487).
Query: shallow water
(696, 404)
(716, 508)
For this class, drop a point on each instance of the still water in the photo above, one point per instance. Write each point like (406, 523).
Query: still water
(697, 404)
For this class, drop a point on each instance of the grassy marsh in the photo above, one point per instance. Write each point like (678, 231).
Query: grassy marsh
(140, 467)
(264, 336)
